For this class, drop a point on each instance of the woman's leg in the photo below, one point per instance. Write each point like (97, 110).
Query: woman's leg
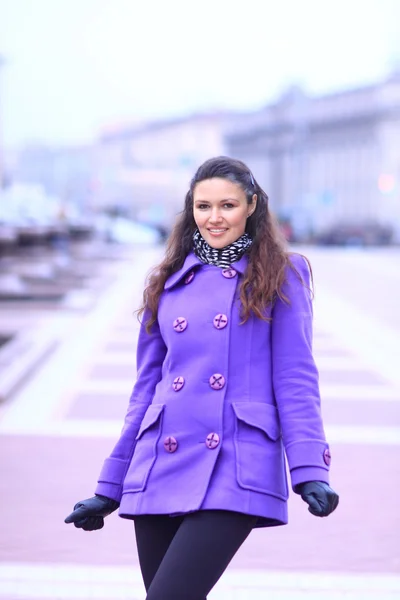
(199, 553)
(154, 534)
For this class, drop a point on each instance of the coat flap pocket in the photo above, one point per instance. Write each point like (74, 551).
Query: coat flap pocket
(151, 416)
(260, 415)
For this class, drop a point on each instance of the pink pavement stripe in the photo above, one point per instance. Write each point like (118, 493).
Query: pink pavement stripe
(321, 334)
(94, 406)
(353, 377)
(334, 351)
(129, 346)
(43, 477)
(336, 377)
(116, 371)
(341, 412)
(355, 412)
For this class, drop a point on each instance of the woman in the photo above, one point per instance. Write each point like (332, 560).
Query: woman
(226, 383)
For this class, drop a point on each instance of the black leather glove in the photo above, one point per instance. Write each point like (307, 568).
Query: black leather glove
(321, 498)
(89, 514)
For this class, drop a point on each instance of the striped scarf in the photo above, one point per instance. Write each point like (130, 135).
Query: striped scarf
(220, 257)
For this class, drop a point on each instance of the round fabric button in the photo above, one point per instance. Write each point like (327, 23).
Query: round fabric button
(212, 440)
(189, 278)
(178, 383)
(170, 444)
(217, 381)
(220, 321)
(327, 456)
(180, 324)
(229, 273)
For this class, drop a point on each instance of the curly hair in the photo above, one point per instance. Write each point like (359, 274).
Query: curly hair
(268, 257)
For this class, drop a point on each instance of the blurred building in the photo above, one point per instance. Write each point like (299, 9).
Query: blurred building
(322, 160)
(141, 170)
(66, 171)
(328, 159)
(155, 161)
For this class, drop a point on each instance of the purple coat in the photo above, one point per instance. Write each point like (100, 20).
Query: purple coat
(217, 405)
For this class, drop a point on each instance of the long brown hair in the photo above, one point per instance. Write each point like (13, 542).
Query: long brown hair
(268, 257)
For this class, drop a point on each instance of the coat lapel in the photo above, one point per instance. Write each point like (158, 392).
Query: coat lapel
(191, 261)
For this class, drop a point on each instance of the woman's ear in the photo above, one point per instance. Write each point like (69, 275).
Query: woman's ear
(252, 205)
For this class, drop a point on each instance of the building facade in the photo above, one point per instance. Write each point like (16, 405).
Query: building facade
(67, 172)
(155, 161)
(322, 160)
(330, 159)
(142, 170)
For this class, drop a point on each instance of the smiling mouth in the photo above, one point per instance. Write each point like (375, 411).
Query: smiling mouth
(217, 230)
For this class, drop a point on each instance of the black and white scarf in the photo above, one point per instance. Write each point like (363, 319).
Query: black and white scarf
(220, 257)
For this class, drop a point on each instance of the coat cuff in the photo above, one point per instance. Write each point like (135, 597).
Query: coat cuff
(308, 453)
(113, 471)
(308, 460)
(303, 474)
(111, 478)
(109, 490)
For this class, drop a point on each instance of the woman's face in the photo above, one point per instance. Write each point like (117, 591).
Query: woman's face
(220, 210)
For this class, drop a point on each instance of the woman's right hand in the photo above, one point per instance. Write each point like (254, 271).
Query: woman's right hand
(89, 514)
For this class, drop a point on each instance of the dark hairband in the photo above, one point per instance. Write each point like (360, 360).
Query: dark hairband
(252, 179)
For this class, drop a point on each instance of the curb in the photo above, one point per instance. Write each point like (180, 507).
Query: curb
(20, 356)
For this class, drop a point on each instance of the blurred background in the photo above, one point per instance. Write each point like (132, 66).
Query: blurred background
(106, 110)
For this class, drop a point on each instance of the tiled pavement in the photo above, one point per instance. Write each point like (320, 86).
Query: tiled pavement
(60, 426)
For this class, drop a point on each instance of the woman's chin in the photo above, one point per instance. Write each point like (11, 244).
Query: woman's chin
(217, 242)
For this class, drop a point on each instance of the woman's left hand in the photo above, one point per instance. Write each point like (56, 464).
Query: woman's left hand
(321, 499)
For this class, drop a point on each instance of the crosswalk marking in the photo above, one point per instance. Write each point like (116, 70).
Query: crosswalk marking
(373, 342)
(350, 344)
(111, 428)
(325, 363)
(78, 582)
(329, 392)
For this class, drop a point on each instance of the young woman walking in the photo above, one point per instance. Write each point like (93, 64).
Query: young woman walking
(226, 387)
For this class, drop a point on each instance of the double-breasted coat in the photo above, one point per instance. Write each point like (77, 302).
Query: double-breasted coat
(218, 404)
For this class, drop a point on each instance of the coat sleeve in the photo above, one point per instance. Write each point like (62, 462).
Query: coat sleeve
(150, 354)
(296, 380)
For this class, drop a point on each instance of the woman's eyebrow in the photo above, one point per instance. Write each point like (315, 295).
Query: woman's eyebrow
(222, 200)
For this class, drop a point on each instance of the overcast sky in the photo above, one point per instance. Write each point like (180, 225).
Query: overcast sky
(74, 66)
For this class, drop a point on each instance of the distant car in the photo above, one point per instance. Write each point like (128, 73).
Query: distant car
(355, 234)
(121, 230)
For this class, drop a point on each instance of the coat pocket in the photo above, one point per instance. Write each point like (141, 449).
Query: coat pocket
(145, 453)
(260, 461)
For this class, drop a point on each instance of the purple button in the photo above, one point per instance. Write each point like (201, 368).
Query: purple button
(178, 383)
(220, 321)
(327, 456)
(212, 440)
(189, 278)
(217, 381)
(180, 324)
(229, 273)
(170, 444)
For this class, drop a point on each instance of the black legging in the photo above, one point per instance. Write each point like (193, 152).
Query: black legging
(182, 558)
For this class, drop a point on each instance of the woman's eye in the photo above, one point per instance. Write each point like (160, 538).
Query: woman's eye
(205, 206)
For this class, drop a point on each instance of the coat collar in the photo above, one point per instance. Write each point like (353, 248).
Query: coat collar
(191, 262)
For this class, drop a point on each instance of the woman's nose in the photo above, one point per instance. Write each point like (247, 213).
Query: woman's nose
(215, 215)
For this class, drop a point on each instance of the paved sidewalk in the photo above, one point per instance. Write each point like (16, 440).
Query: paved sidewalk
(59, 427)
(66, 582)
